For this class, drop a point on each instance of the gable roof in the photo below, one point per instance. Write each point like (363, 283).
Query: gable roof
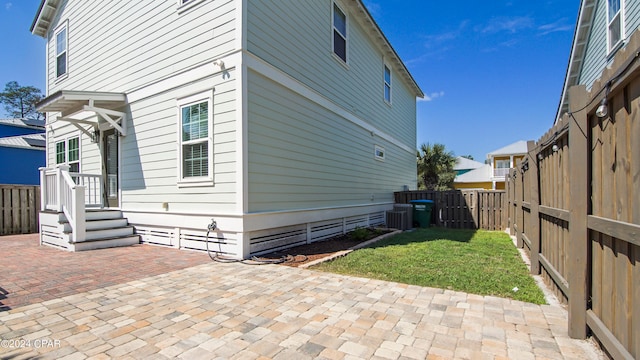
(518, 147)
(48, 8)
(32, 141)
(578, 50)
(481, 174)
(24, 123)
(464, 164)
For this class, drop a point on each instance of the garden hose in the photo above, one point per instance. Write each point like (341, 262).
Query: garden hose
(254, 259)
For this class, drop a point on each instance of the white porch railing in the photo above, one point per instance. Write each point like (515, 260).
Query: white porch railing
(500, 172)
(70, 193)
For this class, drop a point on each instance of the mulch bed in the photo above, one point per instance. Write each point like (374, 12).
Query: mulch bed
(303, 254)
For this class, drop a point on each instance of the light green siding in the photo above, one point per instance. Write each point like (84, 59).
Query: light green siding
(303, 156)
(596, 57)
(150, 152)
(147, 51)
(295, 36)
(632, 13)
(124, 45)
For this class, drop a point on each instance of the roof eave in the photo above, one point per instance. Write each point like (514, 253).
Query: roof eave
(42, 20)
(574, 66)
(414, 84)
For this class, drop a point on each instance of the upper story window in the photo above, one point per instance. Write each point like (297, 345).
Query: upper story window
(339, 33)
(614, 23)
(68, 153)
(62, 49)
(196, 143)
(387, 84)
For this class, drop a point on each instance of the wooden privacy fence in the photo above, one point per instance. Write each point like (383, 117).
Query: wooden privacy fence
(19, 209)
(574, 205)
(463, 209)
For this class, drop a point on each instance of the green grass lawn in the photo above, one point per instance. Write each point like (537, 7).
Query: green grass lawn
(479, 262)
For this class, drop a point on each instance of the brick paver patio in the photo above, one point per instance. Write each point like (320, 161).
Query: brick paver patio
(31, 273)
(235, 311)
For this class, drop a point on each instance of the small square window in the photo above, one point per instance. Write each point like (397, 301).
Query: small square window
(379, 152)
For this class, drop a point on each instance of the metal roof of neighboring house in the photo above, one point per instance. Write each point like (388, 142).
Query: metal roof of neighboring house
(48, 9)
(32, 141)
(21, 122)
(518, 147)
(465, 164)
(481, 174)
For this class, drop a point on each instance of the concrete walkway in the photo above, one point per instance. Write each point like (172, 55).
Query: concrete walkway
(235, 311)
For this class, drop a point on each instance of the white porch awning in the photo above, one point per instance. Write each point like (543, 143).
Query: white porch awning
(106, 105)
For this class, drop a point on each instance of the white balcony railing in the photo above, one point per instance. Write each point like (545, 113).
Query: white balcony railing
(500, 172)
(70, 193)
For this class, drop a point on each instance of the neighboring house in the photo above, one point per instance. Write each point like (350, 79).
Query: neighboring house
(22, 150)
(491, 176)
(18, 126)
(464, 165)
(286, 122)
(603, 28)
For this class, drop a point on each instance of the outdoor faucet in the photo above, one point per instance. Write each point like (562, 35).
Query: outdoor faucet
(212, 226)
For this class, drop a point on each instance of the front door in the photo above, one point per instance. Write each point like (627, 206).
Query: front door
(112, 183)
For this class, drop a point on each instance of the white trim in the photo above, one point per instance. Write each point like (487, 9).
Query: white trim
(229, 222)
(260, 66)
(62, 27)
(241, 19)
(242, 136)
(206, 69)
(206, 96)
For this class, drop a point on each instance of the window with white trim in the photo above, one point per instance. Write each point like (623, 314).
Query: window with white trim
(387, 84)
(68, 153)
(379, 152)
(339, 33)
(62, 50)
(615, 24)
(196, 140)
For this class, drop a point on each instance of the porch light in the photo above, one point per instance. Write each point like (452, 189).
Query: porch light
(602, 109)
(95, 137)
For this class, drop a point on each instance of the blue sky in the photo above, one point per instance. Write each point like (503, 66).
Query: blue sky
(492, 71)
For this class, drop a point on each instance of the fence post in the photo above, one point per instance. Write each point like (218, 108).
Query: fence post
(519, 214)
(534, 225)
(578, 193)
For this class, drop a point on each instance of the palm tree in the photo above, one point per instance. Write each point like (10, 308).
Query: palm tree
(435, 167)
